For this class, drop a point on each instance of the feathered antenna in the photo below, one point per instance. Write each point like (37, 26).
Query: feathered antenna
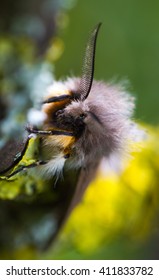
(87, 72)
(88, 66)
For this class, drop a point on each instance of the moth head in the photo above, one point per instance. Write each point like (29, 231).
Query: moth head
(77, 117)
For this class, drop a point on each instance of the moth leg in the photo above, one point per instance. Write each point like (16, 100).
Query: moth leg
(48, 132)
(32, 165)
(57, 99)
(19, 155)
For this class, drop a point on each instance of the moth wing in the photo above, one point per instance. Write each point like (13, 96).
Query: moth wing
(71, 196)
(84, 179)
(11, 153)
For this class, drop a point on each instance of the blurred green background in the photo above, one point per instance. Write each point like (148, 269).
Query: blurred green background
(41, 40)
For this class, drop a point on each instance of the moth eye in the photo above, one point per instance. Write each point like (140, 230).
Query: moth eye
(82, 116)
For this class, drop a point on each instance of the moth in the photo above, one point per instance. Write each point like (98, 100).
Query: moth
(83, 122)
